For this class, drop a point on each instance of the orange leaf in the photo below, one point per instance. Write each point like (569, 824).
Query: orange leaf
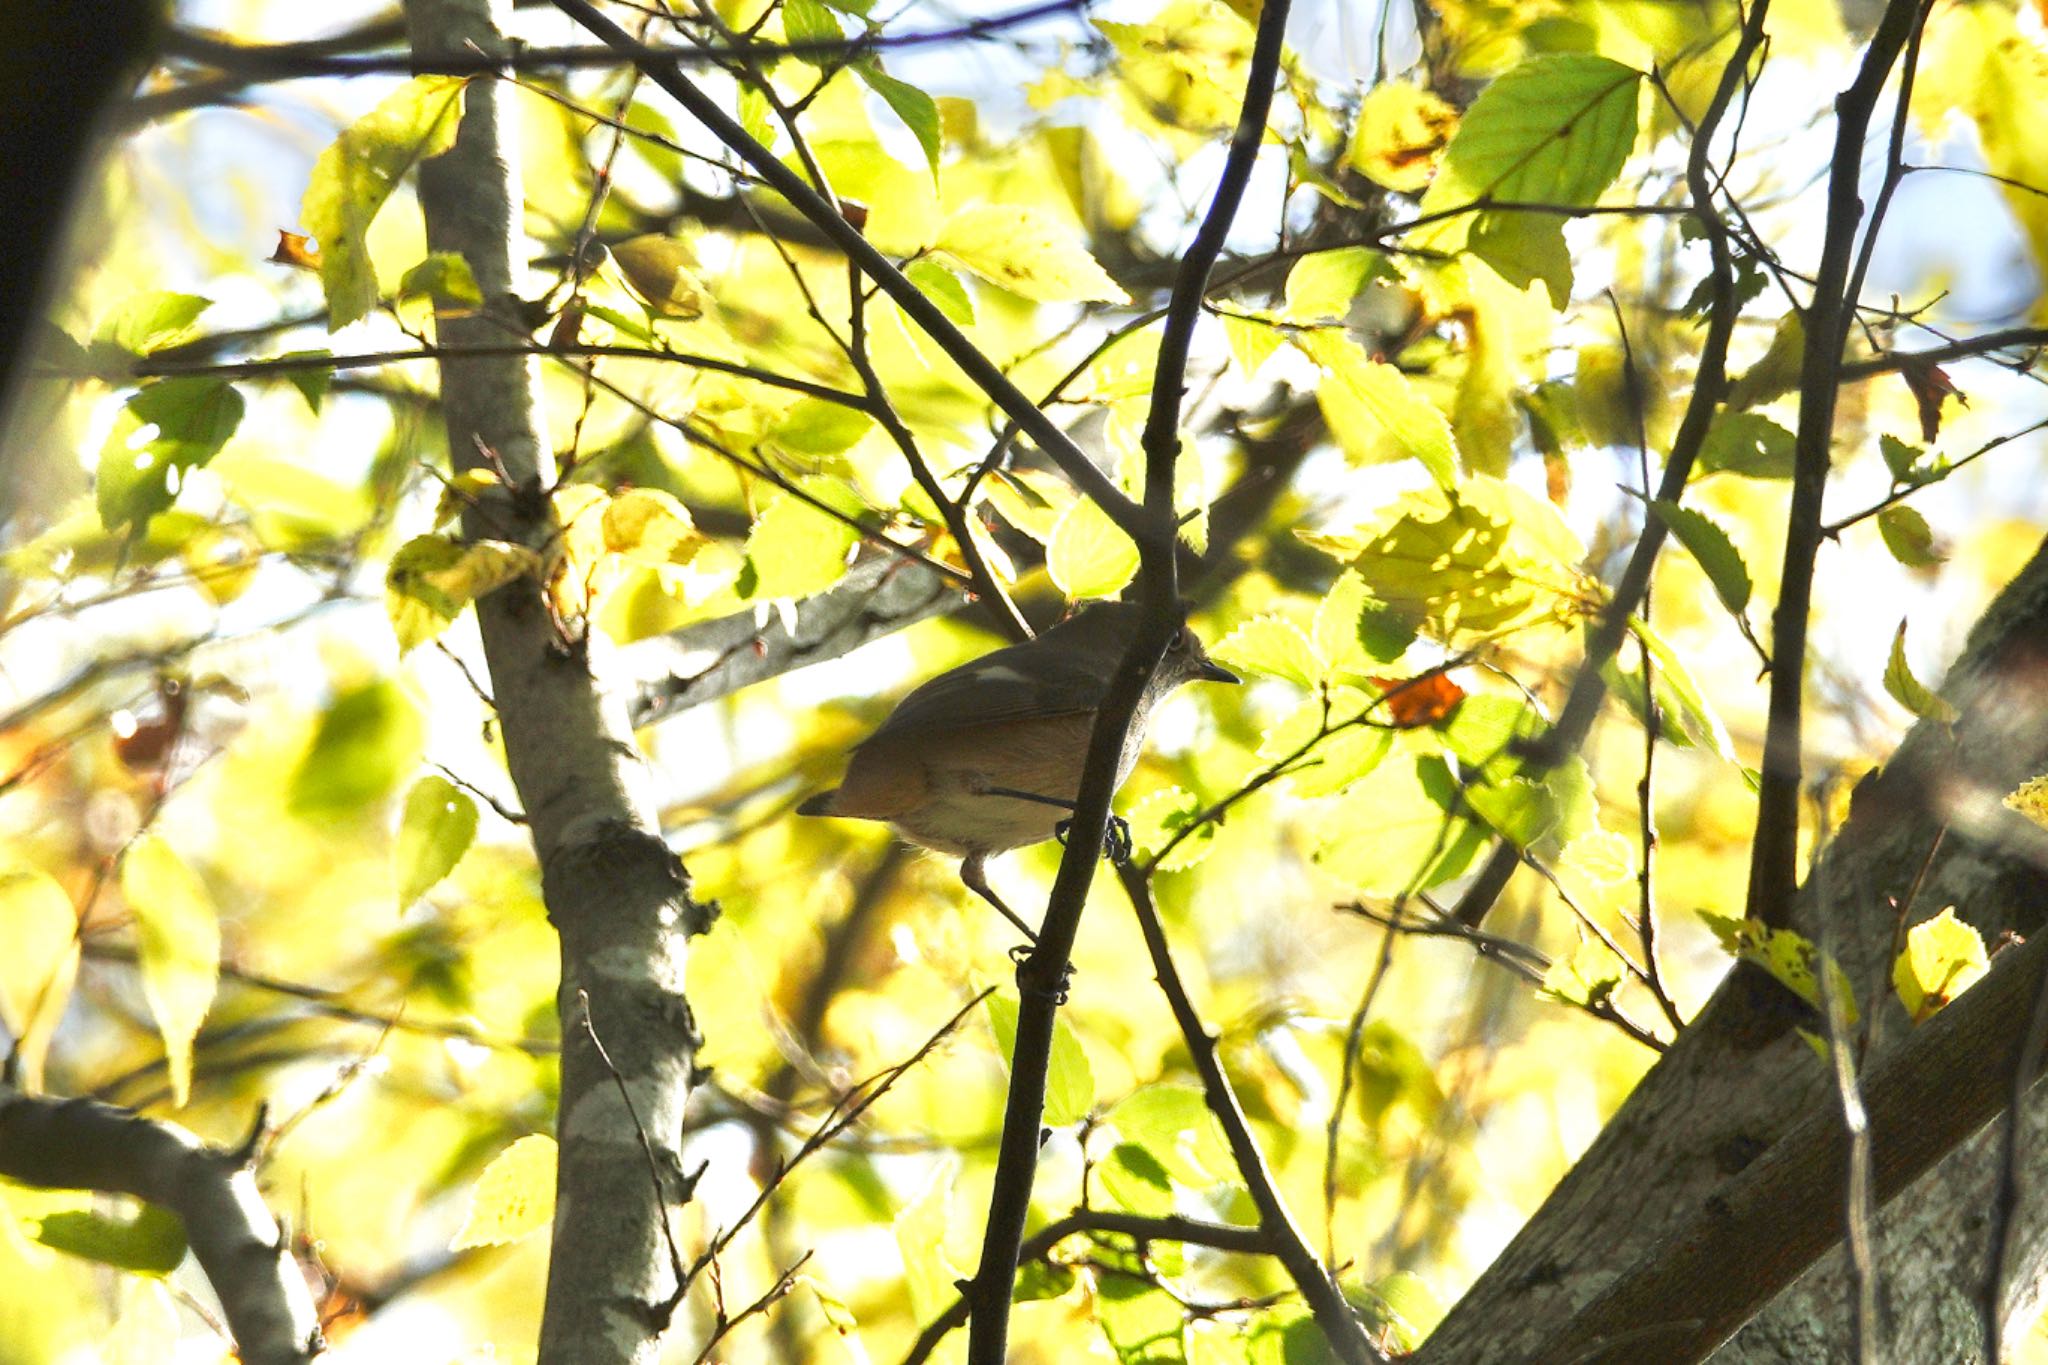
(295, 250)
(1414, 702)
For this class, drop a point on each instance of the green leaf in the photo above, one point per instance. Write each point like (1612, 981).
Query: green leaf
(1393, 831)
(1276, 647)
(513, 1198)
(1908, 691)
(1702, 723)
(1174, 1124)
(1143, 1324)
(660, 271)
(796, 550)
(1382, 395)
(1027, 252)
(1252, 341)
(1135, 1181)
(443, 277)
(1744, 443)
(313, 381)
(944, 289)
(1586, 977)
(177, 941)
(1155, 820)
(1522, 247)
(357, 173)
(1089, 555)
(816, 426)
(1488, 557)
(137, 478)
(920, 1229)
(432, 578)
(1716, 554)
(1908, 536)
(1788, 956)
(807, 21)
(151, 321)
(367, 740)
(1070, 1080)
(1776, 372)
(1902, 460)
(1337, 758)
(1943, 957)
(1321, 286)
(151, 1241)
(436, 830)
(1518, 808)
(918, 110)
(1554, 130)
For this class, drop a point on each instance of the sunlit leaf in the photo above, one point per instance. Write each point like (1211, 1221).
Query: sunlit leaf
(919, 112)
(944, 289)
(1908, 691)
(177, 939)
(1274, 646)
(513, 1198)
(795, 549)
(168, 427)
(649, 526)
(1088, 554)
(1711, 548)
(432, 578)
(445, 278)
(1411, 424)
(149, 1241)
(1744, 443)
(1323, 284)
(1160, 817)
(1943, 957)
(1555, 130)
(1908, 536)
(1400, 135)
(368, 739)
(1028, 253)
(1586, 977)
(41, 960)
(151, 321)
(434, 832)
(356, 174)
(1070, 1081)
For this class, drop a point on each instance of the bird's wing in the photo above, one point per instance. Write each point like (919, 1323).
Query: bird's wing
(1022, 682)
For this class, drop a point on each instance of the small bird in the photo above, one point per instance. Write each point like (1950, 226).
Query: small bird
(988, 757)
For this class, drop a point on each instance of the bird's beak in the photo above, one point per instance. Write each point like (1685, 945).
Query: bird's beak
(1211, 671)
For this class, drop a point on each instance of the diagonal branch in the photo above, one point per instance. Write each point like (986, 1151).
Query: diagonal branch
(983, 372)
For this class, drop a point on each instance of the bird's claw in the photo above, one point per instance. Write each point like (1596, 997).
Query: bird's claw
(1116, 838)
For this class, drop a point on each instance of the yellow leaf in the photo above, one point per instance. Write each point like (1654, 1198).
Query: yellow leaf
(1943, 958)
(2031, 800)
(432, 578)
(1088, 556)
(513, 1198)
(658, 269)
(177, 938)
(1028, 253)
(1274, 646)
(40, 962)
(358, 172)
(648, 526)
(1400, 137)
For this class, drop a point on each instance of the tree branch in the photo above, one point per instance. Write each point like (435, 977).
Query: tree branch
(85, 1145)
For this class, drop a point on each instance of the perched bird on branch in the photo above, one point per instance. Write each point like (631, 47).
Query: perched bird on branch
(988, 757)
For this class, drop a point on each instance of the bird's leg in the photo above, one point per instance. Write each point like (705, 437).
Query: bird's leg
(1116, 841)
(974, 876)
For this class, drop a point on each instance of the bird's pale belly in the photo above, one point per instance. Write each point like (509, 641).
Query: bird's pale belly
(955, 810)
